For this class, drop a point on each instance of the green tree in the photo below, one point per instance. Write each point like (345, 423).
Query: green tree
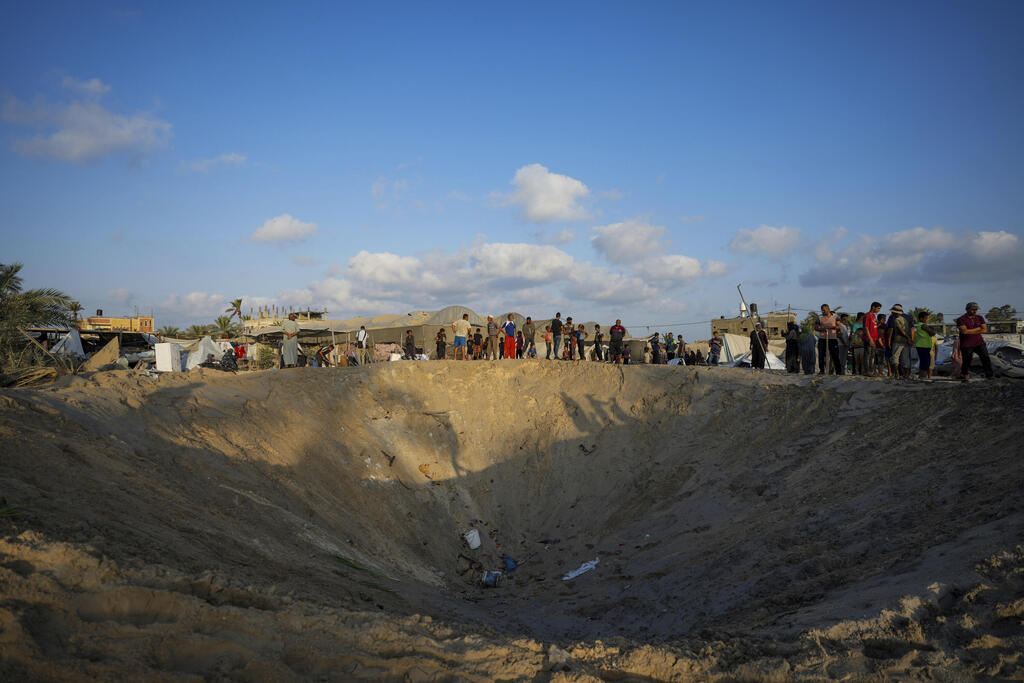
(234, 309)
(1004, 312)
(196, 331)
(168, 331)
(20, 309)
(75, 308)
(223, 325)
(808, 323)
(921, 309)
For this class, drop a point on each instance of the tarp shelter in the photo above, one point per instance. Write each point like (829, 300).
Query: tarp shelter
(169, 357)
(736, 352)
(201, 351)
(69, 345)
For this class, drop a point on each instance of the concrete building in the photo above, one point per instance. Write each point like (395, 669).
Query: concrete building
(100, 323)
(774, 324)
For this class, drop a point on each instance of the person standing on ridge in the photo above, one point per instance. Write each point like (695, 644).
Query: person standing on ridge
(923, 336)
(828, 343)
(900, 329)
(792, 347)
(598, 339)
(529, 332)
(758, 347)
(509, 327)
(362, 343)
(460, 328)
(441, 339)
(556, 332)
(290, 345)
(972, 326)
(615, 336)
(714, 348)
(570, 337)
(492, 338)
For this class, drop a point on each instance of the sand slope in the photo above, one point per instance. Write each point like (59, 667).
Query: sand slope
(306, 524)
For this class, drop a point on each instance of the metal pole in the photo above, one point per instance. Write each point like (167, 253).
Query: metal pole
(755, 329)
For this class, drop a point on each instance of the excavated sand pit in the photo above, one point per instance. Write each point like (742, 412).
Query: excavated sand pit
(306, 525)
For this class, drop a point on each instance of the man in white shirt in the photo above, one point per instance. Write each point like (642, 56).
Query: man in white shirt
(290, 347)
(362, 346)
(461, 330)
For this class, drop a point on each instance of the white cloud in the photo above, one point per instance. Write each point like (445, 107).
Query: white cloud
(715, 268)
(597, 283)
(563, 236)
(671, 268)
(629, 241)
(766, 240)
(204, 165)
(824, 247)
(920, 255)
(196, 304)
(384, 268)
(283, 228)
(83, 130)
(982, 256)
(121, 296)
(521, 262)
(544, 196)
(93, 87)
(921, 239)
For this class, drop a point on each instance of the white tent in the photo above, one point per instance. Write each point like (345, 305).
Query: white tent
(69, 345)
(736, 352)
(201, 351)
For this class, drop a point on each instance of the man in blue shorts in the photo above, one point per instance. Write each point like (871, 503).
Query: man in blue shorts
(461, 330)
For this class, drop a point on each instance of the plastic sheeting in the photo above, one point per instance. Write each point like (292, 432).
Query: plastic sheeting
(69, 345)
(202, 350)
(736, 352)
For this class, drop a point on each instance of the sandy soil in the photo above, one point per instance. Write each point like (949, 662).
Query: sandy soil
(306, 525)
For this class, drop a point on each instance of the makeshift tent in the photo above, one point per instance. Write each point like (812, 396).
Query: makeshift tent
(201, 351)
(169, 357)
(69, 345)
(736, 352)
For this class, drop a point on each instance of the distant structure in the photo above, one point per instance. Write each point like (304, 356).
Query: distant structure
(99, 323)
(775, 324)
(268, 315)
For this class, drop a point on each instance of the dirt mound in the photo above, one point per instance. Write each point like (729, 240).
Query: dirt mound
(307, 523)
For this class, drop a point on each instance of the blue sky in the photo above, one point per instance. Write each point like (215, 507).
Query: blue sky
(632, 160)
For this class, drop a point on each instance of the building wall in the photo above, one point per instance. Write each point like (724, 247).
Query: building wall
(134, 324)
(774, 324)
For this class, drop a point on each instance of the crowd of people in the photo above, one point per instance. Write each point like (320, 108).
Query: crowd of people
(563, 340)
(870, 343)
(874, 344)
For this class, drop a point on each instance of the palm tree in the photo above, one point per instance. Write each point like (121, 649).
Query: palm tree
(234, 309)
(196, 331)
(224, 325)
(18, 309)
(75, 308)
(168, 331)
